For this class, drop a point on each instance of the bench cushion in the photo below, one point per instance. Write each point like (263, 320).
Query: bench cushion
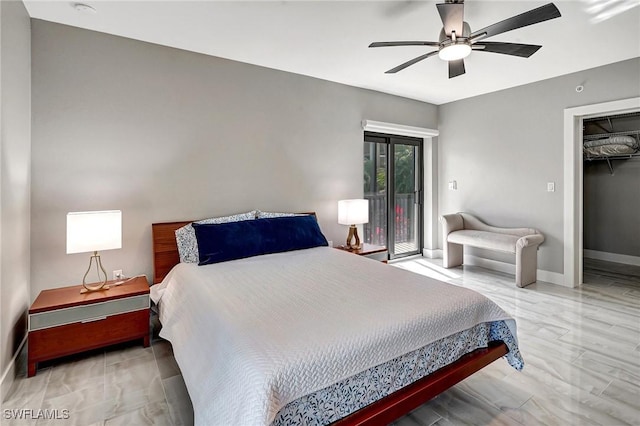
(484, 239)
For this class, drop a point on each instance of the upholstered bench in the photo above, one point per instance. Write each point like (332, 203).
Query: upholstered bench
(463, 229)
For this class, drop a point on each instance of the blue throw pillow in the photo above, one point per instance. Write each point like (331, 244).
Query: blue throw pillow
(237, 240)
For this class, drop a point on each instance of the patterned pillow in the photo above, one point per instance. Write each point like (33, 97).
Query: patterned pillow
(186, 236)
(269, 215)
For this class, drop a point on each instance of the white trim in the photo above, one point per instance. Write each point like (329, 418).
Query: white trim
(612, 257)
(432, 254)
(551, 277)
(9, 374)
(508, 268)
(573, 187)
(398, 129)
(402, 259)
(430, 194)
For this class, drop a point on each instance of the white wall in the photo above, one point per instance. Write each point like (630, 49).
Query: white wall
(15, 143)
(502, 148)
(165, 134)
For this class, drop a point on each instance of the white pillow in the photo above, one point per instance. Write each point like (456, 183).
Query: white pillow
(186, 236)
(267, 215)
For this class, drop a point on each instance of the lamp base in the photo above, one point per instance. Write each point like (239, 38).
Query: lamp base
(91, 289)
(101, 285)
(353, 233)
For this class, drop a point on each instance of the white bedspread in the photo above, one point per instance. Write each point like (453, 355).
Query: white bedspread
(252, 335)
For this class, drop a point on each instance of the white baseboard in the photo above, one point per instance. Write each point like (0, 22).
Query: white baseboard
(552, 277)
(508, 268)
(432, 253)
(611, 257)
(9, 374)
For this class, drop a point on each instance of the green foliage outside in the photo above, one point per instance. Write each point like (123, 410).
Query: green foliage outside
(404, 170)
(405, 164)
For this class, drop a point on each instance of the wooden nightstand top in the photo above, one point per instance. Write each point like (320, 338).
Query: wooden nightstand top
(66, 297)
(366, 249)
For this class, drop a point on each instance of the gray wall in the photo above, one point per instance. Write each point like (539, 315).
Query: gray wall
(612, 207)
(165, 134)
(15, 151)
(502, 148)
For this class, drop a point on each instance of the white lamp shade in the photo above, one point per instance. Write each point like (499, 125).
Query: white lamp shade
(94, 231)
(353, 212)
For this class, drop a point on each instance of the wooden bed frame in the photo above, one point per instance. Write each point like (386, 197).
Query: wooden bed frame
(385, 410)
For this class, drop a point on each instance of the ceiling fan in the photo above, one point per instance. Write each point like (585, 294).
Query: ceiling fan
(457, 41)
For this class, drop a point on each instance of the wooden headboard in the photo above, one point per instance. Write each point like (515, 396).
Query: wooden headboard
(165, 248)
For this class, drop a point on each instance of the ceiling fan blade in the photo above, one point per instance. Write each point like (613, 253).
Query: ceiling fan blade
(514, 49)
(452, 15)
(411, 62)
(456, 68)
(403, 43)
(540, 14)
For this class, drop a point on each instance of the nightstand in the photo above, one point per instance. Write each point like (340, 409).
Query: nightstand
(64, 322)
(369, 250)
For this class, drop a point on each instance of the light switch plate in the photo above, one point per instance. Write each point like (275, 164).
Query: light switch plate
(551, 187)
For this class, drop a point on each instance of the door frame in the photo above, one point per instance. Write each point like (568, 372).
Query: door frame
(418, 185)
(430, 177)
(573, 181)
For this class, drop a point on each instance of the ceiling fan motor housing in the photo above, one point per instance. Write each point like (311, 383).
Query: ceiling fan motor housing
(466, 32)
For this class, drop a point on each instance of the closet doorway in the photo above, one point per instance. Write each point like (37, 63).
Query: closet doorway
(573, 176)
(611, 198)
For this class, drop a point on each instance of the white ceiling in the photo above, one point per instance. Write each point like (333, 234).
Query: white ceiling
(329, 39)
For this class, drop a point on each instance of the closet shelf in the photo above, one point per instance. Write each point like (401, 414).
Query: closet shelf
(614, 157)
(607, 140)
(635, 133)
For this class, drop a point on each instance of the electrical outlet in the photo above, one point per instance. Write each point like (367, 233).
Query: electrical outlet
(117, 274)
(330, 243)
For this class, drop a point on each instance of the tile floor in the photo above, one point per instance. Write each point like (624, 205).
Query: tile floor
(121, 385)
(581, 348)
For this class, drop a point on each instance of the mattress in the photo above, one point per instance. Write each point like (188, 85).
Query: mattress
(615, 145)
(266, 339)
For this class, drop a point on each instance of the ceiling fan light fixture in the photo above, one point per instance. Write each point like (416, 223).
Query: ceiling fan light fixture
(454, 52)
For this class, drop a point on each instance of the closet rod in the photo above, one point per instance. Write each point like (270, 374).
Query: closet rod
(614, 157)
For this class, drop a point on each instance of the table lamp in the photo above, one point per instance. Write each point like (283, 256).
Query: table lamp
(92, 232)
(352, 213)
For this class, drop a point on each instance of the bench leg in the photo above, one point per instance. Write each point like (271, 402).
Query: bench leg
(452, 255)
(526, 265)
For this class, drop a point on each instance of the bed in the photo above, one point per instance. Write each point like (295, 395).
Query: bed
(315, 336)
(611, 146)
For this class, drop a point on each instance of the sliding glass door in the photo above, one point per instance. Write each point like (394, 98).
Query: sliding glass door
(393, 186)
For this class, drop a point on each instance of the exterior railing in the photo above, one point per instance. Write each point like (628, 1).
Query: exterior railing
(375, 231)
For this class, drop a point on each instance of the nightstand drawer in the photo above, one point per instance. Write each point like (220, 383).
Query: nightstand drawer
(72, 338)
(87, 313)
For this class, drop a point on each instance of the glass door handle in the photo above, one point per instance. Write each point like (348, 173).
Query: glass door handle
(418, 197)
